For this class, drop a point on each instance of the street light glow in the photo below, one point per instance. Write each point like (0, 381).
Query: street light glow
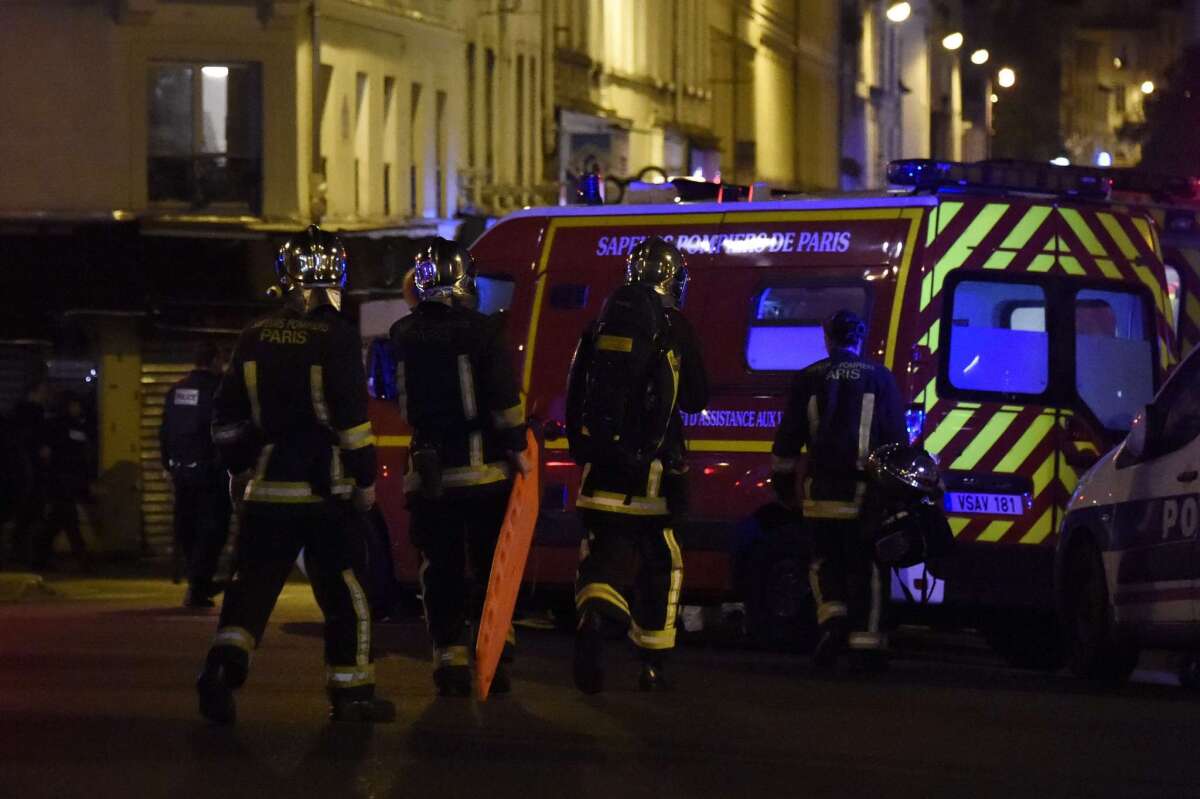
(1104, 158)
(953, 41)
(1062, 160)
(898, 12)
(980, 57)
(1148, 87)
(995, 98)
(1006, 77)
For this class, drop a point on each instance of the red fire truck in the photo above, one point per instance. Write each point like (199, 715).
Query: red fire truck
(1025, 324)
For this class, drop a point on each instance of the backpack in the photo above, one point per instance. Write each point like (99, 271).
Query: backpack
(623, 383)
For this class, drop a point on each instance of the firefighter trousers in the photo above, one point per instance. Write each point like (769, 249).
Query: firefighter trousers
(269, 540)
(452, 533)
(202, 513)
(847, 584)
(620, 551)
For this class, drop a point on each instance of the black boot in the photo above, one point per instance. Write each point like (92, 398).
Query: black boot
(358, 709)
(215, 686)
(653, 678)
(589, 654)
(452, 680)
(197, 597)
(501, 681)
(831, 644)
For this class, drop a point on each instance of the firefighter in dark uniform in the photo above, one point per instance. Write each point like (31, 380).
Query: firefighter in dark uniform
(841, 408)
(202, 505)
(457, 390)
(638, 529)
(290, 421)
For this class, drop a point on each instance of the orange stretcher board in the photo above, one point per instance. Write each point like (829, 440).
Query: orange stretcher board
(508, 568)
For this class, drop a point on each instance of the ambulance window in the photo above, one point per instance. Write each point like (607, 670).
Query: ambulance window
(495, 293)
(1114, 355)
(785, 331)
(1173, 295)
(998, 340)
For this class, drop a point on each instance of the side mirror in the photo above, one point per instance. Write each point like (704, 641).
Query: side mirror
(1138, 438)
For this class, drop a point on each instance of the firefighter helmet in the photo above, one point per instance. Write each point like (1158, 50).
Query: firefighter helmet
(904, 469)
(658, 264)
(313, 260)
(845, 328)
(443, 268)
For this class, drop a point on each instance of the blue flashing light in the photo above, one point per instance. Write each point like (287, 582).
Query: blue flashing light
(999, 175)
(914, 423)
(591, 189)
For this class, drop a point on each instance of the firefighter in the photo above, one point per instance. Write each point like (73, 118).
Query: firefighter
(841, 409)
(457, 390)
(202, 505)
(69, 483)
(290, 423)
(630, 507)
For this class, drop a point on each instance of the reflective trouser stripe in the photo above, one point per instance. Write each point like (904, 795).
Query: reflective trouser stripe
(362, 614)
(830, 509)
(509, 417)
(459, 476)
(466, 387)
(866, 420)
(866, 640)
(339, 677)
(654, 479)
(316, 387)
(475, 446)
(676, 584)
(356, 437)
(825, 610)
(601, 592)
(250, 377)
(652, 639)
(876, 600)
(456, 655)
(615, 503)
(238, 637)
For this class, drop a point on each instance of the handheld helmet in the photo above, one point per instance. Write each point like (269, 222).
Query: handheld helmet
(443, 268)
(903, 469)
(845, 328)
(658, 265)
(313, 260)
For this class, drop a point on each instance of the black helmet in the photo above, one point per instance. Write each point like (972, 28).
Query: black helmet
(658, 265)
(903, 469)
(914, 533)
(313, 260)
(845, 328)
(443, 268)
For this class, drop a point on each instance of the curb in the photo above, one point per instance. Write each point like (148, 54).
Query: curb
(15, 587)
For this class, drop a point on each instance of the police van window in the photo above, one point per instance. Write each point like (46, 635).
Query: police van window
(495, 293)
(785, 330)
(1114, 355)
(1180, 406)
(998, 340)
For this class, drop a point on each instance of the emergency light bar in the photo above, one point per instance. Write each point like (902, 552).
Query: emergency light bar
(930, 175)
(1164, 187)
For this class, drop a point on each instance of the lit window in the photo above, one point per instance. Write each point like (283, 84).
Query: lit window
(205, 136)
(998, 340)
(1114, 355)
(785, 331)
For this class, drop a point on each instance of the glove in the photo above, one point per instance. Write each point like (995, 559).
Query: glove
(520, 463)
(784, 484)
(363, 498)
(238, 483)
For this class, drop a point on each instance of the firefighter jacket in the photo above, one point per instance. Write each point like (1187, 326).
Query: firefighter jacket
(293, 405)
(456, 388)
(840, 409)
(642, 494)
(185, 437)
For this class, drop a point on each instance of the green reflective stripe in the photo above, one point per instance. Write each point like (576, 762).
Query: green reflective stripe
(280, 492)
(830, 509)
(602, 592)
(339, 677)
(459, 476)
(356, 437)
(614, 343)
(615, 503)
(250, 377)
(362, 616)
(316, 387)
(651, 639)
(1024, 230)
(1087, 237)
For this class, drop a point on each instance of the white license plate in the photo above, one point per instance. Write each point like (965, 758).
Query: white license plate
(991, 504)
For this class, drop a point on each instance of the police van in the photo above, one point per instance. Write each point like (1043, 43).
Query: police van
(1026, 320)
(1128, 558)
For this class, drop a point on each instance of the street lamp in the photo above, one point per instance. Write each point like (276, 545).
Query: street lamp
(953, 41)
(898, 12)
(1147, 87)
(1006, 77)
(980, 57)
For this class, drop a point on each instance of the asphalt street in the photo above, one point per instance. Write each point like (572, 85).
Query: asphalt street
(96, 700)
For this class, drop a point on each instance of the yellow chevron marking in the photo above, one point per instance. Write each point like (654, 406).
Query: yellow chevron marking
(931, 229)
(1143, 227)
(958, 253)
(926, 290)
(930, 395)
(1043, 262)
(1041, 529)
(1192, 304)
(1067, 475)
(958, 524)
(995, 531)
(1024, 230)
(1043, 475)
(983, 441)
(1071, 265)
(1038, 430)
(935, 335)
(946, 430)
(999, 259)
(1109, 268)
(1082, 231)
(946, 214)
(1119, 235)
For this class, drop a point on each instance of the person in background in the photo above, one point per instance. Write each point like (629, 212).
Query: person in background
(202, 505)
(68, 484)
(31, 462)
